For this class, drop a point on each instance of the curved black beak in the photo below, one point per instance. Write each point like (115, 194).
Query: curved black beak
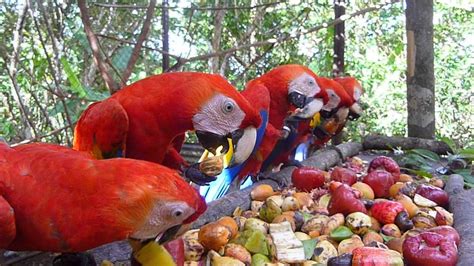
(355, 111)
(297, 99)
(169, 234)
(211, 141)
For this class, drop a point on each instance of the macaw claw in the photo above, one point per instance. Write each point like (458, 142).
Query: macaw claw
(196, 176)
(82, 258)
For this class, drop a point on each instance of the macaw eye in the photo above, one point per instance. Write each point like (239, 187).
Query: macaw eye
(228, 107)
(311, 82)
(177, 213)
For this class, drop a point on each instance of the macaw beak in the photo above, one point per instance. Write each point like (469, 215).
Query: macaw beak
(355, 111)
(309, 110)
(235, 147)
(168, 235)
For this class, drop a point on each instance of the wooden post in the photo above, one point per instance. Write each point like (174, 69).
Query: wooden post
(165, 24)
(420, 69)
(339, 39)
(338, 56)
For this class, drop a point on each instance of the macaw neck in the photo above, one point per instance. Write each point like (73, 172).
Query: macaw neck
(167, 112)
(279, 108)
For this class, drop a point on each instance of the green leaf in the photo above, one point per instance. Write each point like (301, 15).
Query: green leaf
(309, 245)
(340, 233)
(450, 143)
(421, 173)
(467, 153)
(121, 57)
(386, 238)
(306, 216)
(76, 85)
(426, 154)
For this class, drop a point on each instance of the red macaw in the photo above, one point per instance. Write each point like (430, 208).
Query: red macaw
(334, 113)
(294, 92)
(259, 96)
(147, 119)
(354, 89)
(56, 199)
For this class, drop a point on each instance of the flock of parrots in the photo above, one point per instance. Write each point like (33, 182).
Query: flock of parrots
(123, 177)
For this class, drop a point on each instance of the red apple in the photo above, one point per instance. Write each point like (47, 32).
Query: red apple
(344, 200)
(448, 232)
(176, 250)
(380, 181)
(344, 175)
(428, 249)
(433, 193)
(386, 211)
(307, 178)
(387, 164)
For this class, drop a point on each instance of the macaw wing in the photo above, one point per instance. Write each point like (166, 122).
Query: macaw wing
(220, 186)
(7, 223)
(102, 130)
(285, 145)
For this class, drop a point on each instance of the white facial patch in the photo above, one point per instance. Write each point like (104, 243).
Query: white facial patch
(357, 93)
(304, 84)
(162, 217)
(220, 115)
(333, 102)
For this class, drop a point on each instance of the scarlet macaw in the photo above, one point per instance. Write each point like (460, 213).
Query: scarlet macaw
(292, 90)
(56, 199)
(147, 120)
(333, 114)
(354, 89)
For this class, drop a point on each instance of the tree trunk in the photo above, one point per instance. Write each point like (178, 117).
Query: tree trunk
(420, 72)
(216, 38)
(339, 45)
(166, 48)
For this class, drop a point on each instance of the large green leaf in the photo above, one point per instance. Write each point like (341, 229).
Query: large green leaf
(426, 154)
(121, 57)
(76, 85)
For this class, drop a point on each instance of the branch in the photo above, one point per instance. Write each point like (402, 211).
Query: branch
(165, 64)
(54, 132)
(12, 68)
(284, 38)
(216, 37)
(112, 86)
(52, 70)
(141, 38)
(133, 43)
(192, 7)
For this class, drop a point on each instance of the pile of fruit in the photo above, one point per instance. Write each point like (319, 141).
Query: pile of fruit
(354, 215)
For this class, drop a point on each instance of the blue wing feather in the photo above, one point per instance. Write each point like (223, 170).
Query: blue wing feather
(220, 187)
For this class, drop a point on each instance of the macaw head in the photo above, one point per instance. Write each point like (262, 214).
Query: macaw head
(293, 89)
(354, 89)
(222, 117)
(334, 96)
(166, 203)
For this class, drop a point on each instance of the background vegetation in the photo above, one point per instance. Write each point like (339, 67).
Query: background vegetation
(48, 75)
